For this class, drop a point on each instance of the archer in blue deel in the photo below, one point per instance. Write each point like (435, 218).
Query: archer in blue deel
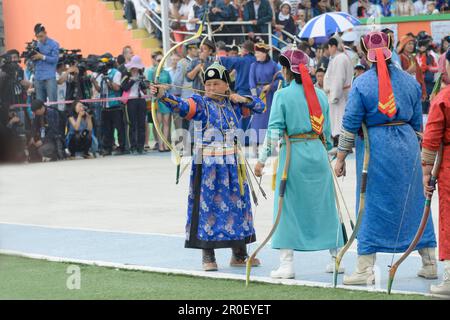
(219, 206)
(385, 102)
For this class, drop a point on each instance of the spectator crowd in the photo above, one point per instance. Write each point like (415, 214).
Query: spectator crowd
(289, 14)
(120, 122)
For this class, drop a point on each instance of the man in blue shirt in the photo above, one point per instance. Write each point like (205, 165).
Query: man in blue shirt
(242, 66)
(224, 10)
(195, 70)
(45, 61)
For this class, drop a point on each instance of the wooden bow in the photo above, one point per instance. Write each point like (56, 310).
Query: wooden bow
(362, 203)
(282, 191)
(155, 101)
(423, 222)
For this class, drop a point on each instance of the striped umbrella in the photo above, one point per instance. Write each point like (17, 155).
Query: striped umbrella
(327, 24)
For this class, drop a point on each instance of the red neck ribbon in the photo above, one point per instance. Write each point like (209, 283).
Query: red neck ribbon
(315, 110)
(386, 101)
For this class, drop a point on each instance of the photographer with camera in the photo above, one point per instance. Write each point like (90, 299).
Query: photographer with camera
(12, 146)
(22, 84)
(80, 136)
(135, 85)
(79, 84)
(427, 64)
(45, 57)
(46, 138)
(107, 81)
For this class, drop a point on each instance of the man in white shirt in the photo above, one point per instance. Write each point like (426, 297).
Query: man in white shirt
(185, 12)
(337, 84)
(420, 6)
(61, 80)
(112, 116)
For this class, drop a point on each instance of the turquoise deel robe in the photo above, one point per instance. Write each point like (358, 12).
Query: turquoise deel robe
(309, 219)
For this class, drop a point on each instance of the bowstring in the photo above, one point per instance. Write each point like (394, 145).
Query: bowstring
(217, 59)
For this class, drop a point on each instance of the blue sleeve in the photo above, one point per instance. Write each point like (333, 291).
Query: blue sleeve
(230, 63)
(255, 106)
(53, 56)
(354, 111)
(183, 106)
(278, 77)
(190, 67)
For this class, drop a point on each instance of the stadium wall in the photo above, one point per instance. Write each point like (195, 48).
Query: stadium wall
(76, 24)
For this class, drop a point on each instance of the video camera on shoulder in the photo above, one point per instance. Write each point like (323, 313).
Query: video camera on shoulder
(30, 50)
(8, 66)
(99, 64)
(70, 57)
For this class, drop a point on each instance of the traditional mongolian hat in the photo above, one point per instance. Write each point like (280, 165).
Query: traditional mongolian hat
(377, 46)
(263, 47)
(297, 61)
(217, 71)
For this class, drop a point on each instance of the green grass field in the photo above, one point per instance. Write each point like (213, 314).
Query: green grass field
(22, 278)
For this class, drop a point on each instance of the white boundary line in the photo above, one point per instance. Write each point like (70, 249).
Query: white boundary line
(216, 275)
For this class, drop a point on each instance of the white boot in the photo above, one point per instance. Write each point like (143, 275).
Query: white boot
(444, 287)
(429, 263)
(286, 269)
(331, 265)
(364, 274)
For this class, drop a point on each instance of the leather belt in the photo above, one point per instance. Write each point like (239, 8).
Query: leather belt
(308, 136)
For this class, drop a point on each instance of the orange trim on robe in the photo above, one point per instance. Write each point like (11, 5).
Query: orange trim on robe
(192, 109)
(246, 112)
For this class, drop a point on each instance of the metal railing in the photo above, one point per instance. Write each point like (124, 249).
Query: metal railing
(156, 21)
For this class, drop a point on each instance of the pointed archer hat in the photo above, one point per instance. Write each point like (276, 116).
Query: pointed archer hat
(297, 61)
(377, 47)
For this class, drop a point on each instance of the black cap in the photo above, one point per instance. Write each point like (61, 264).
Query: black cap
(38, 28)
(37, 104)
(217, 71)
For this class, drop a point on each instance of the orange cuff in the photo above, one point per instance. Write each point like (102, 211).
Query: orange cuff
(192, 109)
